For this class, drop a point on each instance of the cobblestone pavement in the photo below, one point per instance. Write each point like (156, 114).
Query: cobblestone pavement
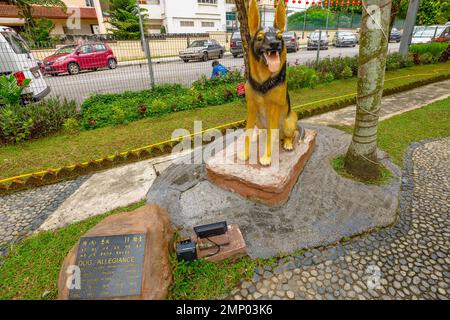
(23, 212)
(410, 260)
(390, 106)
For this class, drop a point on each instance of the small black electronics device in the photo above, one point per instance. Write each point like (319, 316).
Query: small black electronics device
(186, 250)
(210, 230)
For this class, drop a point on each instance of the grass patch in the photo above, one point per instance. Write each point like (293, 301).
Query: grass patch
(396, 133)
(338, 165)
(32, 267)
(63, 149)
(201, 279)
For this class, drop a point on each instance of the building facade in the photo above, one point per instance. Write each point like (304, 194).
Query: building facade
(81, 17)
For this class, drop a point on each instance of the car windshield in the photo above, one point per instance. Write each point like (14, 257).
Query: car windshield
(16, 42)
(345, 34)
(315, 36)
(430, 32)
(199, 43)
(236, 36)
(288, 35)
(66, 50)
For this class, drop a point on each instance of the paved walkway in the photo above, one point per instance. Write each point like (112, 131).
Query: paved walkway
(56, 205)
(410, 260)
(390, 106)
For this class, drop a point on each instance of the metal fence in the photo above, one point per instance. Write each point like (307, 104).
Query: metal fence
(89, 67)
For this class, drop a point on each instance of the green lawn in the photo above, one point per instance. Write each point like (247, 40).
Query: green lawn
(32, 267)
(64, 149)
(396, 133)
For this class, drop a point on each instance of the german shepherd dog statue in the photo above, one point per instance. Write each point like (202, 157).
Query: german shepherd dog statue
(268, 103)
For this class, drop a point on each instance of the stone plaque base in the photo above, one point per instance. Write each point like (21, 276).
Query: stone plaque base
(232, 245)
(270, 185)
(153, 223)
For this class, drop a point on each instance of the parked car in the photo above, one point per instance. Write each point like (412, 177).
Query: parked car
(426, 34)
(17, 59)
(396, 35)
(344, 38)
(236, 44)
(291, 41)
(202, 50)
(444, 36)
(313, 40)
(74, 58)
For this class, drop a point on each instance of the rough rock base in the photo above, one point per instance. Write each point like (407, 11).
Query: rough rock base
(270, 185)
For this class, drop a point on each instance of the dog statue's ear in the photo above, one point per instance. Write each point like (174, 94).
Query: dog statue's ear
(280, 16)
(253, 18)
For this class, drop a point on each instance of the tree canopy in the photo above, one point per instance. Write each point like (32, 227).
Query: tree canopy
(124, 19)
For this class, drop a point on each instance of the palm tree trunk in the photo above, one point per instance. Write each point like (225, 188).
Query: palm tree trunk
(361, 158)
(242, 8)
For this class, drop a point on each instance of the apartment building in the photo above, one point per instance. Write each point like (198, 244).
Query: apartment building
(81, 17)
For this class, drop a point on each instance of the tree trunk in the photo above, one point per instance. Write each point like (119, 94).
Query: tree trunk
(242, 8)
(361, 158)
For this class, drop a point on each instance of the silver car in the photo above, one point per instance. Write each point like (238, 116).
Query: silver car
(202, 50)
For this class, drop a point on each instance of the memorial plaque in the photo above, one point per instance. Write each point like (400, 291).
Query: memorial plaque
(110, 266)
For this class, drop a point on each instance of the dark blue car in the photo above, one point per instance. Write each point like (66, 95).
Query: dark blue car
(396, 35)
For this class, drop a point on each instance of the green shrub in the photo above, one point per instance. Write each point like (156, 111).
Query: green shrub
(301, 77)
(118, 115)
(436, 49)
(326, 77)
(347, 73)
(14, 128)
(71, 126)
(159, 106)
(46, 116)
(335, 66)
(10, 91)
(426, 58)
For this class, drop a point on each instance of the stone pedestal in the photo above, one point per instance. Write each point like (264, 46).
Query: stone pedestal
(150, 262)
(232, 245)
(270, 185)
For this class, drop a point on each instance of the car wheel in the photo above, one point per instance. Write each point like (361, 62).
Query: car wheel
(54, 74)
(205, 57)
(235, 56)
(221, 55)
(112, 63)
(73, 68)
(186, 60)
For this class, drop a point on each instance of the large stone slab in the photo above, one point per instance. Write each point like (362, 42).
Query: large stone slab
(270, 185)
(322, 208)
(125, 256)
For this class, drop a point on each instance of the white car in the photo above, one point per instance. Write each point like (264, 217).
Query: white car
(17, 59)
(426, 34)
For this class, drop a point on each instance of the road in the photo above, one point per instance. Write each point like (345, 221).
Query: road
(136, 77)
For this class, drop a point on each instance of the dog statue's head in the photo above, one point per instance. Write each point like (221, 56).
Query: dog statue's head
(267, 44)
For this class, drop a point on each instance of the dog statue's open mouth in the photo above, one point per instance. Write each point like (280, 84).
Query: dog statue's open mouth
(272, 60)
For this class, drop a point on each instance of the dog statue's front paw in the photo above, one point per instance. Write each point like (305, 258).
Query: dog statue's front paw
(265, 160)
(288, 145)
(243, 155)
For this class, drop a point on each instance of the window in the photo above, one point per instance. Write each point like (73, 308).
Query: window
(15, 41)
(186, 23)
(153, 1)
(86, 49)
(100, 47)
(207, 24)
(89, 3)
(231, 16)
(230, 1)
(207, 1)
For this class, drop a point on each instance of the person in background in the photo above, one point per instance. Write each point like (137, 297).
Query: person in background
(219, 70)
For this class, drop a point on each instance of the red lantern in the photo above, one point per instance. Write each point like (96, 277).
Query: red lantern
(307, 2)
(313, 3)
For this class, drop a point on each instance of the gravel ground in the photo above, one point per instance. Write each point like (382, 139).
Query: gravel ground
(23, 212)
(407, 261)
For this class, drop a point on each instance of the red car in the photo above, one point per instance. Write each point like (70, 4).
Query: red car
(74, 58)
